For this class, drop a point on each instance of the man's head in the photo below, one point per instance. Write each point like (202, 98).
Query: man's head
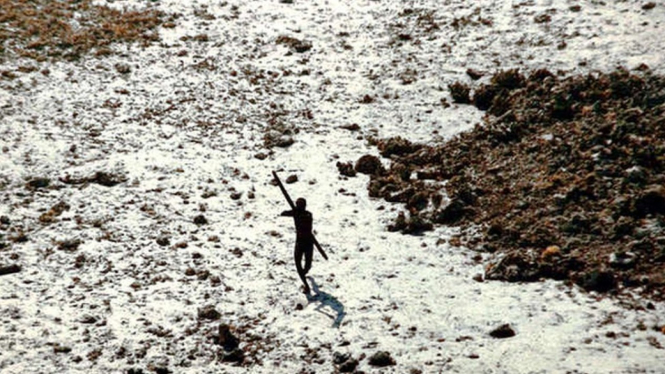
(301, 203)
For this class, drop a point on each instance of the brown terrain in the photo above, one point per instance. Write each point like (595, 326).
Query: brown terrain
(564, 179)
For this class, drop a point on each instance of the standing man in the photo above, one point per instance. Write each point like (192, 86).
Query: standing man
(304, 238)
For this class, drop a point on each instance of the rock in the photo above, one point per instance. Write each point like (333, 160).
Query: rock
(163, 241)
(651, 201)
(346, 169)
(107, 179)
(123, 68)
(381, 359)
(70, 245)
(291, 179)
(418, 201)
(88, 319)
(226, 338)
(237, 355)
(623, 260)
(349, 366)
(636, 175)
(452, 213)
(460, 93)
(367, 99)
(208, 312)
(515, 266)
(369, 164)
(5, 220)
(399, 224)
(340, 358)
(397, 146)
(648, 6)
(274, 138)
(200, 220)
(297, 45)
(284, 141)
(502, 332)
(57, 348)
(474, 74)
(11, 269)
(510, 79)
(352, 127)
(38, 183)
(550, 252)
(484, 96)
(598, 280)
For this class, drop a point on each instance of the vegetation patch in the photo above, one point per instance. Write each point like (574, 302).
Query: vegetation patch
(564, 179)
(53, 30)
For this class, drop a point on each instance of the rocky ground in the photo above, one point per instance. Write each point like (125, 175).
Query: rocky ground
(564, 179)
(139, 223)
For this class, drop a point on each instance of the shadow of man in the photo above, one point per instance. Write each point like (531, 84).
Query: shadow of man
(328, 304)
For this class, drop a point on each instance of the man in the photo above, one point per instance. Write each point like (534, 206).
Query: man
(304, 238)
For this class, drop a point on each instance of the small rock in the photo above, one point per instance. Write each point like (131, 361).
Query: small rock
(474, 74)
(291, 179)
(369, 164)
(123, 68)
(367, 99)
(453, 212)
(4, 270)
(460, 93)
(648, 6)
(381, 359)
(502, 332)
(70, 245)
(352, 127)
(57, 348)
(478, 277)
(200, 220)
(38, 183)
(209, 312)
(5, 220)
(284, 141)
(107, 179)
(623, 260)
(88, 319)
(226, 338)
(346, 169)
(652, 201)
(236, 355)
(163, 241)
(349, 366)
(598, 280)
(236, 195)
(550, 252)
(340, 358)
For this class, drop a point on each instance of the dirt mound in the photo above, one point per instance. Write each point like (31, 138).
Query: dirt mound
(565, 177)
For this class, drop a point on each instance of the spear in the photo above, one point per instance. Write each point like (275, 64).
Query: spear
(293, 206)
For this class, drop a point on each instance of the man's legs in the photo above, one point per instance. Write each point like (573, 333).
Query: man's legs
(301, 271)
(308, 259)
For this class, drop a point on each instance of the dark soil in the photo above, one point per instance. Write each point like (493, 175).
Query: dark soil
(564, 179)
